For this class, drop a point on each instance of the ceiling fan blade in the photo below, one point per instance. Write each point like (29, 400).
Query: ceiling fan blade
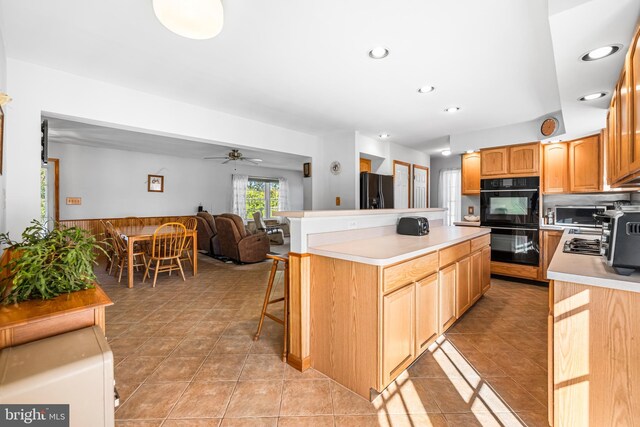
(252, 160)
(226, 161)
(216, 158)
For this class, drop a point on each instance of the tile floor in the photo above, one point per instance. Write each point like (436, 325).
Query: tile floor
(185, 357)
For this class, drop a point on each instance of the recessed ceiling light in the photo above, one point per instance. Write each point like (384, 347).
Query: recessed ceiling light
(592, 96)
(452, 109)
(379, 52)
(194, 19)
(384, 135)
(601, 52)
(446, 152)
(470, 151)
(426, 89)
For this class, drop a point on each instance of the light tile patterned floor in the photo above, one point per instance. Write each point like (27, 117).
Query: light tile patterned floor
(185, 357)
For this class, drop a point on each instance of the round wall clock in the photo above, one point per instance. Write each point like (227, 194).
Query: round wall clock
(549, 126)
(335, 167)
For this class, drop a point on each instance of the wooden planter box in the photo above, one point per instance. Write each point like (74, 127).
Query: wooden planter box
(36, 319)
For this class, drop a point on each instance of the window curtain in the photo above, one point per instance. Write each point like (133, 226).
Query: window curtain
(283, 196)
(240, 183)
(450, 194)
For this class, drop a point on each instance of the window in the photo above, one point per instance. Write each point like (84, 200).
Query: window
(449, 194)
(262, 195)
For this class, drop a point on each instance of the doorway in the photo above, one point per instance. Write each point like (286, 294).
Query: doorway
(401, 185)
(420, 186)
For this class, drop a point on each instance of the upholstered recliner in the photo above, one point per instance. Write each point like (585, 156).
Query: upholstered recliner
(236, 243)
(208, 234)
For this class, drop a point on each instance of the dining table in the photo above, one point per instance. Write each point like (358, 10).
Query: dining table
(144, 233)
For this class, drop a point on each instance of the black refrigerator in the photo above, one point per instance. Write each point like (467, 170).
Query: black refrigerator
(376, 191)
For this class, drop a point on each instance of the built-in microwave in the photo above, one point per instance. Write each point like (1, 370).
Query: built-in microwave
(579, 216)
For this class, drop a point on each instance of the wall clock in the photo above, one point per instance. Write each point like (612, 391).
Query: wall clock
(549, 126)
(335, 167)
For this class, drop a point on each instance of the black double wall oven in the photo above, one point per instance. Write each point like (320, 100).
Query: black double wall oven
(510, 207)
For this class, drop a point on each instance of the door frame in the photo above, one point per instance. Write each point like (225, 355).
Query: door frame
(56, 189)
(409, 179)
(426, 169)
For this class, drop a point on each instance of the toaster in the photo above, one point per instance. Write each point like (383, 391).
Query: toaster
(621, 239)
(413, 226)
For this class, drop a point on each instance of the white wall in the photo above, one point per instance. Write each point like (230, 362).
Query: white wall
(341, 147)
(113, 183)
(7, 112)
(38, 89)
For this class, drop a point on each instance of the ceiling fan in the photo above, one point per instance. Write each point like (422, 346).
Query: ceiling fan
(235, 155)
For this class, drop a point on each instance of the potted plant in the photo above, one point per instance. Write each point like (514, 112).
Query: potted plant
(48, 263)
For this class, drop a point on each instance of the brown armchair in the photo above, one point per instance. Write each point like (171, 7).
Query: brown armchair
(236, 243)
(208, 234)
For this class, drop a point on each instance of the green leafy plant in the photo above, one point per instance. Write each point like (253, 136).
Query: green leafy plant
(47, 263)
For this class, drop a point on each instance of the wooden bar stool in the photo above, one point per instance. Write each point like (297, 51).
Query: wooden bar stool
(285, 322)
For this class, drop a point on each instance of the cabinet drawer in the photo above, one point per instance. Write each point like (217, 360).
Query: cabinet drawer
(454, 253)
(409, 271)
(480, 242)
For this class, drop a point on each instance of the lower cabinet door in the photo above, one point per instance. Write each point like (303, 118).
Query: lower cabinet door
(463, 291)
(398, 332)
(475, 277)
(447, 285)
(486, 269)
(426, 312)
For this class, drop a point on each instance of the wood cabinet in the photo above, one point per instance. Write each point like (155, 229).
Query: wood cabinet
(524, 159)
(365, 165)
(555, 161)
(584, 165)
(398, 319)
(634, 87)
(550, 241)
(514, 160)
(475, 277)
(486, 269)
(463, 285)
(471, 173)
(426, 312)
(573, 166)
(447, 279)
(494, 161)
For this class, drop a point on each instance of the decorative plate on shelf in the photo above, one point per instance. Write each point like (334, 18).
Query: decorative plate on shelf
(335, 167)
(549, 126)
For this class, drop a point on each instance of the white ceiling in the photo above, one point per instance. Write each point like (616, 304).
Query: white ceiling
(303, 64)
(71, 132)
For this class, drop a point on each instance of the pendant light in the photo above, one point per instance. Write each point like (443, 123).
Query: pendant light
(193, 19)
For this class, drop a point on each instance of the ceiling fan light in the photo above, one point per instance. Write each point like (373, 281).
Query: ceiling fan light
(193, 19)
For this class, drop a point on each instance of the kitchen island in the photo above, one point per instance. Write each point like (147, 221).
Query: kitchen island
(376, 300)
(594, 350)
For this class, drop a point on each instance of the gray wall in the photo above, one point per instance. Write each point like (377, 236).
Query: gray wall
(113, 183)
(439, 162)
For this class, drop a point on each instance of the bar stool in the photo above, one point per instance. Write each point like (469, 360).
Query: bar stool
(285, 260)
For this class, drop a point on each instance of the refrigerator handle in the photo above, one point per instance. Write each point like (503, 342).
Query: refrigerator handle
(380, 192)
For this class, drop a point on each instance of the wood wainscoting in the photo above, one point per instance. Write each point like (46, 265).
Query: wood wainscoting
(95, 228)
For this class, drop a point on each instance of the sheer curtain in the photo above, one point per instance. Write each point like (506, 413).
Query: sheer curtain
(283, 196)
(450, 194)
(240, 183)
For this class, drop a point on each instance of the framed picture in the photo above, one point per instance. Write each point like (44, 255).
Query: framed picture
(155, 183)
(306, 169)
(1, 138)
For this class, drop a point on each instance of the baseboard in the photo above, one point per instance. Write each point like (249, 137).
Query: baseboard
(300, 364)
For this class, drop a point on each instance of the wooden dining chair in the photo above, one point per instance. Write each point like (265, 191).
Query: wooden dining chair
(121, 251)
(109, 247)
(166, 248)
(191, 224)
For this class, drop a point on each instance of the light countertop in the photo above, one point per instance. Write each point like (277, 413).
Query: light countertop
(354, 212)
(394, 248)
(467, 223)
(588, 270)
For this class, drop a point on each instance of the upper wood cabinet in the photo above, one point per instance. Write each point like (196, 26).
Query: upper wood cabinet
(555, 163)
(634, 88)
(524, 159)
(426, 312)
(515, 160)
(365, 165)
(471, 173)
(584, 165)
(494, 161)
(398, 319)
